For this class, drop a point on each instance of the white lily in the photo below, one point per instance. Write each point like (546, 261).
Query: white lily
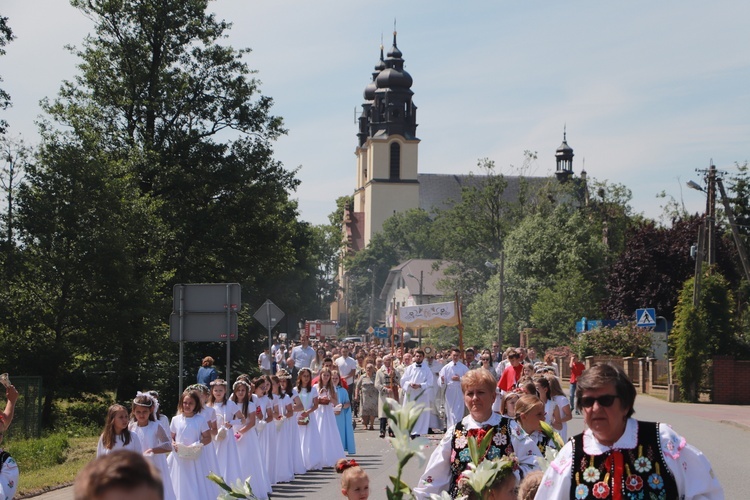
(481, 476)
(405, 415)
(406, 447)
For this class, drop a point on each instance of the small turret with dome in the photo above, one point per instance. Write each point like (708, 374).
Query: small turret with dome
(564, 158)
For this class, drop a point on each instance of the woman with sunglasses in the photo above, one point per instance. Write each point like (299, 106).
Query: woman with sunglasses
(620, 457)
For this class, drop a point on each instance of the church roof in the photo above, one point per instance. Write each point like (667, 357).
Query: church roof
(443, 191)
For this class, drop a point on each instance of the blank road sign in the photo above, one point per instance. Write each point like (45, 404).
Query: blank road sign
(206, 297)
(205, 327)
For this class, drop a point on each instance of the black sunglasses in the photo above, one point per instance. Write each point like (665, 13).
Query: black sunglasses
(604, 401)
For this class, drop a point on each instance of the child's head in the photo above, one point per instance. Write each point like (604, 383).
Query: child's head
(218, 391)
(121, 474)
(190, 403)
(202, 391)
(354, 481)
(116, 426)
(529, 485)
(259, 384)
(503, 488)
(141, 409)
(304, 379)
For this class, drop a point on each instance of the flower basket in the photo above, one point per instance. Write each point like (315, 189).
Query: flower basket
(303, 420)
(189, 452)
(324, 401)
(221, 434)
(260, 426)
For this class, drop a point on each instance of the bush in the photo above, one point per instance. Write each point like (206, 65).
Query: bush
(622, 340)
(35, 454)
(87, 413)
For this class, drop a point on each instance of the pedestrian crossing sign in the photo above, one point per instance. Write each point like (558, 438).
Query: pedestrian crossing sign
(645, 318)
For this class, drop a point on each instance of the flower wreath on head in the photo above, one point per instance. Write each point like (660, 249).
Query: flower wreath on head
(219, 381)
(345, 465)
(198, 387)
(241, 382)
(151, 400)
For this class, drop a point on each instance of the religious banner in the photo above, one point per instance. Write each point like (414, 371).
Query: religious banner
(426, 315)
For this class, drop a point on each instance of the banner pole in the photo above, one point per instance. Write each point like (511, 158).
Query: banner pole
(461, 330)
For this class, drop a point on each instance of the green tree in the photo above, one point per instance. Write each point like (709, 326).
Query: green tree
(560, 305)
(6, 36)
(702, 332)
(165, 174)
(544, 248)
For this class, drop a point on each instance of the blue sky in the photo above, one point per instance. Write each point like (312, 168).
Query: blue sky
(650, 91)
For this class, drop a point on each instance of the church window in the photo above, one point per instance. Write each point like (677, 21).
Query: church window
(395, 170)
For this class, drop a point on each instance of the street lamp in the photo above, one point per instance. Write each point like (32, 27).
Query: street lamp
(421, 282)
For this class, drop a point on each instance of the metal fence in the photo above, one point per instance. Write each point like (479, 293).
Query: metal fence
(27, 421)
(660, 372)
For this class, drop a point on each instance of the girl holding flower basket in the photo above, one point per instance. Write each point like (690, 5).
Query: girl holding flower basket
(307, 426)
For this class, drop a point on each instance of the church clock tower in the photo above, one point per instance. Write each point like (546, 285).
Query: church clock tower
(387, 147)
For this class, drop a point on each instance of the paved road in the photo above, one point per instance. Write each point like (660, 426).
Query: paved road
(722, 432)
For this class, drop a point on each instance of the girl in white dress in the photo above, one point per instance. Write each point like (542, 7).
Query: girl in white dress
(227, 414)
(209, 414)
(116, 435)
(552, 416)
(264, 425)
(333, 449)
(307, 426)
(158, 415)
(290, 423)
(251, 464)
(559, 397)
(155, 443)
(282, 411)
(188, 468)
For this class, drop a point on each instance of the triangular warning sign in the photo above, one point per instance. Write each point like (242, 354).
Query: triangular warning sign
(645, 318)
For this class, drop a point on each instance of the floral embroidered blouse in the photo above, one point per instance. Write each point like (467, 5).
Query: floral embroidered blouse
(691, 471)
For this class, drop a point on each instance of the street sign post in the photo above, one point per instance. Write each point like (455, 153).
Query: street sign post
(381, 332)
(204, 312)
(269, 315)
(645, 318)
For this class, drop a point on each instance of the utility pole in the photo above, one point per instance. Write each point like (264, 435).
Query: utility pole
(711, 216)
(372, 298)
(500, 300)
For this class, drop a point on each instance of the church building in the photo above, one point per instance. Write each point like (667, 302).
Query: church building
(387, 176)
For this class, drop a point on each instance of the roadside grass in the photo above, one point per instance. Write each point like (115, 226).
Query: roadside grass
(51, 461)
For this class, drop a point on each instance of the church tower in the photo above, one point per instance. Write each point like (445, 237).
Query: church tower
(564, 157)
(387, 149)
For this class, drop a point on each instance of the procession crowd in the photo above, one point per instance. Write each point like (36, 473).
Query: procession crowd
(300, 414)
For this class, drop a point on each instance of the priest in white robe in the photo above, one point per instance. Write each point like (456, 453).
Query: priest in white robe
(416, 382)
(450, 378)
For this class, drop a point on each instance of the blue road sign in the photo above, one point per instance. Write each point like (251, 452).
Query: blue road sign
(381, 332)
(645, 318)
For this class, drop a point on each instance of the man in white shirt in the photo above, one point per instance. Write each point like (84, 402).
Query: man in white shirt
(416, 382)
(264, 362)
(302, 355)
(347, 367)
(450, 378)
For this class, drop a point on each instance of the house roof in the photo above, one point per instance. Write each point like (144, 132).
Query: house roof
(432, 271)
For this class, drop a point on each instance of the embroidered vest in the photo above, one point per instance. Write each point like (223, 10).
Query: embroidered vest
(638, 473)
(460, 456)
